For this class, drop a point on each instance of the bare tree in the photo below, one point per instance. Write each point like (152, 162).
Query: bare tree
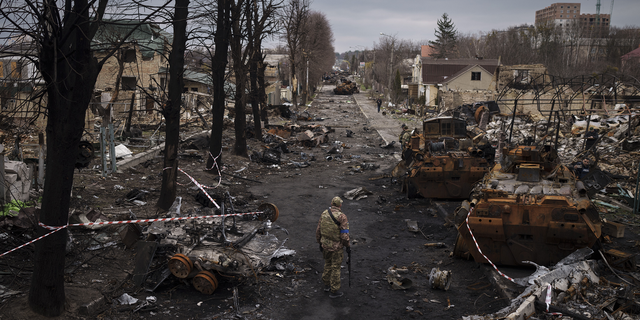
(171, 109)
(295, 15)
(263, 16)
(317, 48)
(63, 38)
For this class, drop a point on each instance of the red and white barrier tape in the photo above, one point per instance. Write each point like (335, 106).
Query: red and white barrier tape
(201, 187)
(547, 301)
(32, 241)
(478, 247)
(56, 229)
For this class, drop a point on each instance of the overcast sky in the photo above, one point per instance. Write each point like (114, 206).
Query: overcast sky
(357, 24)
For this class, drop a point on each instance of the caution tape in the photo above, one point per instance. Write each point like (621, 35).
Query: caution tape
(32, 241)
(547, 301)
(479, 250)
(199, 185)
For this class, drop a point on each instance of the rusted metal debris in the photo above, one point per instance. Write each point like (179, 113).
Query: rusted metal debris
(529, 208)
(346, 87)
(443, 161)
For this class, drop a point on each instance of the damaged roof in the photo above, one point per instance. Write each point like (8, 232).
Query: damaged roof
(149, 37)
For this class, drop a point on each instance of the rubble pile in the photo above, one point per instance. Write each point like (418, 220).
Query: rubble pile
(615, 149)
(586, 289)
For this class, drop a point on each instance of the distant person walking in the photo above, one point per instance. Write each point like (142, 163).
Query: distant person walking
(379, 102)
(332, 234)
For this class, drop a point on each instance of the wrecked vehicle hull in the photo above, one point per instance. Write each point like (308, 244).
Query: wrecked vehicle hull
(442, 162)
(204, 249)
(526, 213)
(448, 177)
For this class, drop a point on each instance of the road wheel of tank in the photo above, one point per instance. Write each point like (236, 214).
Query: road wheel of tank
(412, 191)
(180, 265)
(268, 211)
(205, 282)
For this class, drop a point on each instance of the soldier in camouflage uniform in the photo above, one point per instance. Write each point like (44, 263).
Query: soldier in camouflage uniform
(332, 236)
(404, 136)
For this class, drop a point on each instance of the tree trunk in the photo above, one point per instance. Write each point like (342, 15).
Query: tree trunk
(240, 72)
(69, 84)
(255, 95)
(218, 66)
(262, 95)
(171, 110)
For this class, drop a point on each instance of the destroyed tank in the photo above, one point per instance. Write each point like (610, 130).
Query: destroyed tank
(200, 249)
(346, 87)
(527, 208)
(443, 162)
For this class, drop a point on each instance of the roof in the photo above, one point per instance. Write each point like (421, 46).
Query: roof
(426, 51)
(633, 54)
(273, 59)
(194, 76)
(149, 37)
(441, 71)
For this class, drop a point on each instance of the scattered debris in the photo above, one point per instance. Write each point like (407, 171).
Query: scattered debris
(357, 193)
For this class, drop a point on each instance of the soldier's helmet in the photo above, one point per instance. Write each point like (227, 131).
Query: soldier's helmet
(336, 201)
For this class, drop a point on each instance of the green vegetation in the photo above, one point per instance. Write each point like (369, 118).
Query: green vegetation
(14, 205)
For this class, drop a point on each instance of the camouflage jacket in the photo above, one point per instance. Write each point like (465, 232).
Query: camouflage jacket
(404, 137)
(328, 234)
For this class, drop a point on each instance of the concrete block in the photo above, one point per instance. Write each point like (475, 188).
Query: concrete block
(613, 229)
(10, 178)
(17, 167)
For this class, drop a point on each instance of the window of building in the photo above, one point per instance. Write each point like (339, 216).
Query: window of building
(521, 76)
(446, 129)
(561, 11)
(194, 89)
(574, 15)
(128, 83)
(475, 76)
(128, 55)
(561, 6)
(560, 16)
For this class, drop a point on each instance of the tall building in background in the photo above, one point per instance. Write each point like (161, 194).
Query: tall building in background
(566, 14)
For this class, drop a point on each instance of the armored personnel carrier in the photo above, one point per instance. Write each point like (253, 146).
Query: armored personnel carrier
(443, 161)
(527, 208)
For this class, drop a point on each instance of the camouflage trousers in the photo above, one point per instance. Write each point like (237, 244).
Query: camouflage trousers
(331, 273)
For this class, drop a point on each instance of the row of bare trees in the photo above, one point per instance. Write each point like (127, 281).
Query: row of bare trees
(231, 32)
(569, 51)
(574, 50)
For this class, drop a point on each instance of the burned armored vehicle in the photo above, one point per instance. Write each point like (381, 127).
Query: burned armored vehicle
(527, 208)
(346, 87)
(443, 161)
(209, 245)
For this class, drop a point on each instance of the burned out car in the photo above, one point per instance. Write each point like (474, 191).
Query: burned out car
(212, 245)
(528, 208)
(443, 161)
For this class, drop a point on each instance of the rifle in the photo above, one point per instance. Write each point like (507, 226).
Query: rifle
(349, 264)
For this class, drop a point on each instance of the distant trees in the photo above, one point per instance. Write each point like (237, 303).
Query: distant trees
(316, 49)
(446, 38)
(294, 15)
